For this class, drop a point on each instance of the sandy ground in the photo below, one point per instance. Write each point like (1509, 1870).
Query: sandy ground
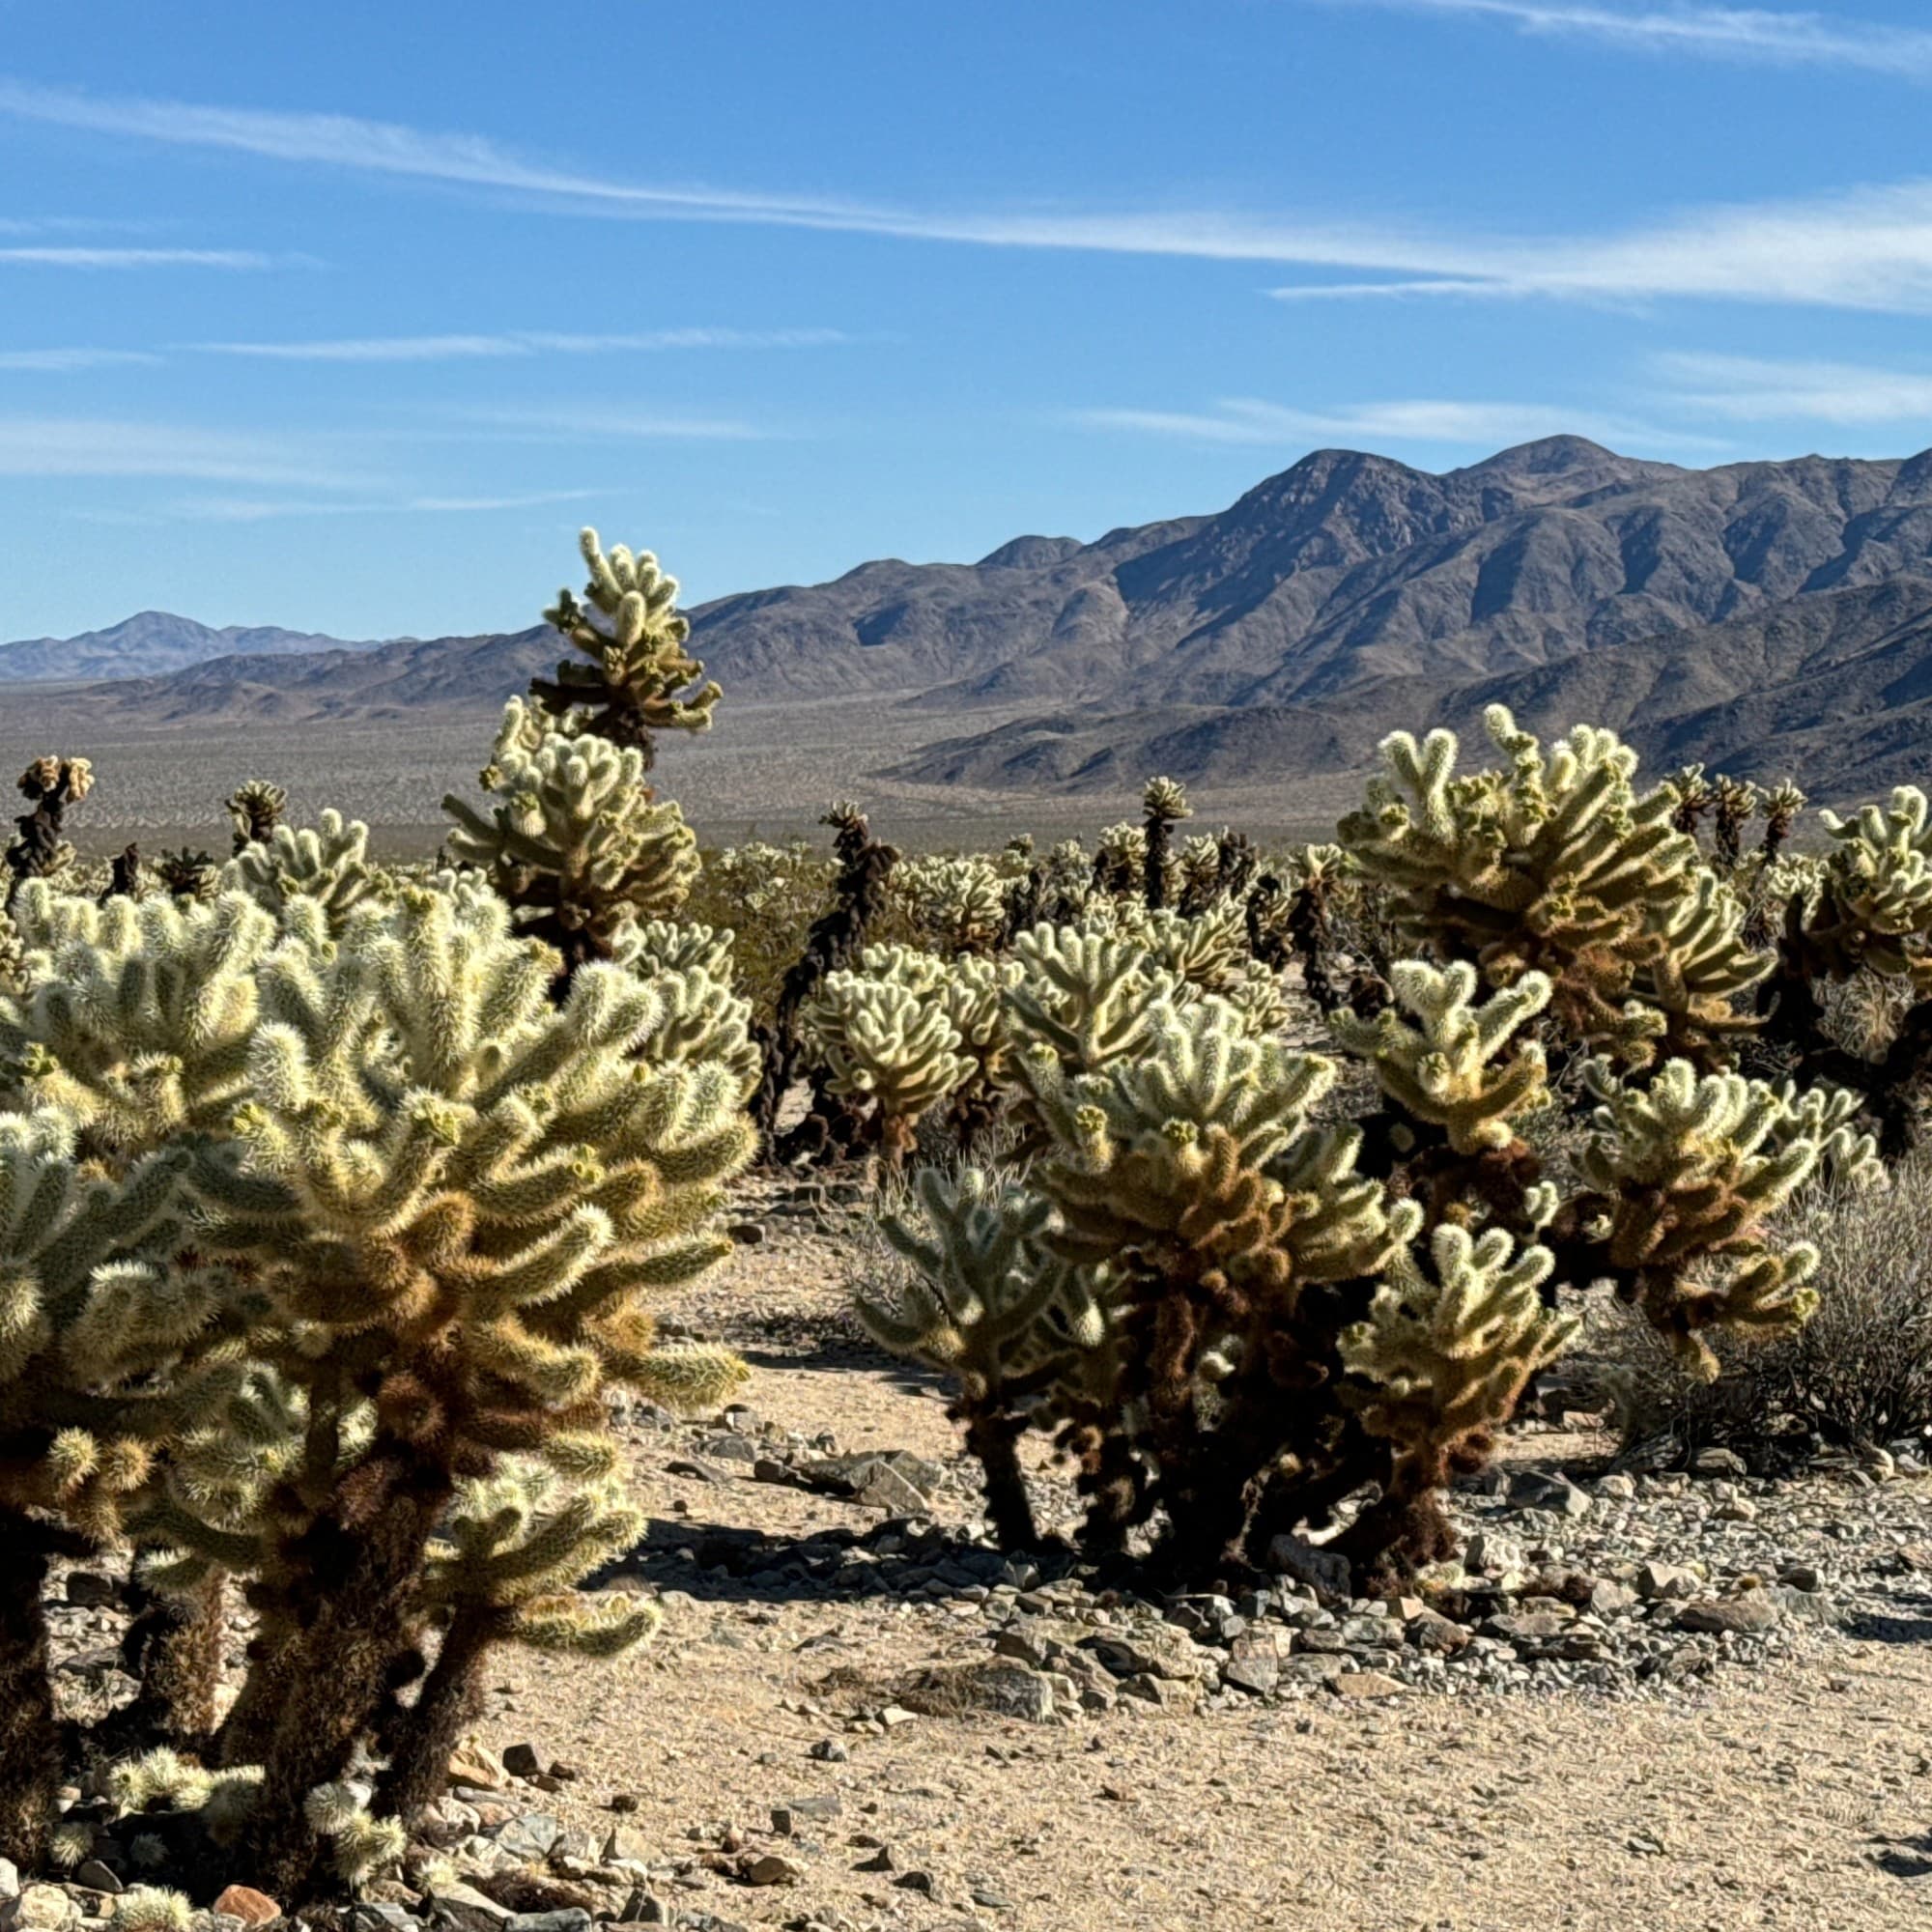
(1803, 1799)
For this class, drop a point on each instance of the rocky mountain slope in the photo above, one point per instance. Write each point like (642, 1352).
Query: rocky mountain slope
(148, 643)
(1767, 616)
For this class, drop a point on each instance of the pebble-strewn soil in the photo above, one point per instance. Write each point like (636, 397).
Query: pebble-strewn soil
(1692, 1700)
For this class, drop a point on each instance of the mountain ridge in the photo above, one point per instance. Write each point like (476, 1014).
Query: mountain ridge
(152, 641)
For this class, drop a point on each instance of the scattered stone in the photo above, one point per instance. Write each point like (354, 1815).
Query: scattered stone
(531, 1835)
(522, 1760)
(1367, 1684)
(93, 1876)
(473, 1765)
(1324, 1571)
(251, 1907)
(1538, 1488)
(91, 1591)
(1744, 1616)
(747, 1234)
(769, 1868)
(829, 1751)
(1254, 1664)
(463, 1909)
(885, 1488)
(39, 1908)
(917, 1880)
(1667, 1582)
(818, 1809)
(565, 1918)
(1718, 1462)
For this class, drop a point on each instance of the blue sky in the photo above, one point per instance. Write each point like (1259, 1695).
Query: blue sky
(345, 317)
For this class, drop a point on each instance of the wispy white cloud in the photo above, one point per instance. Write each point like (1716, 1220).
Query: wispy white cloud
(266, 509)
(1245, 420)
(63, 257)
(1745, 389)
(600, 425)
(61, 360)
(1724, 33)
(522, 342)
(95, 446)
(1866, 248)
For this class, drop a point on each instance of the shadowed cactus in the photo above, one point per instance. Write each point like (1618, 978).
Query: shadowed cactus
(39, 848)
(255, 808)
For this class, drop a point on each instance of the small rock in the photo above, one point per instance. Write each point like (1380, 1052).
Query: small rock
(91, 1590)
(917, 1880)
(565, 1918)
(1436, 1634)
(1538, 1488)
(1667, 1582)
(1367, 1684)
(39, 1908)
(93, 1876)
(1491, 1553)
(529, 1835)
(1718, 1462)
(881, 1860)
(1800, 1577)
(769, 1868)
(1608, 1598)
(829, 1751)
(689, 1466)
(818, 1809)
(1755, 1611)
(623, 1847)
(1617, 1485)
(895, 1714)
(1254, 1664)
(1326, 1571)
(747, 1234)
(522, 1760)
(885, 1488)
(473, 1764)
(463, 1907)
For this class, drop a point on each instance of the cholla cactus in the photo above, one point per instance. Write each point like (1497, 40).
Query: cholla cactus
(1119, 861)
(136, 1019)
(39, 849)
(572, 837)
(1782, 804)
(983, 1300)
(640, 680)
(883, 1035)
(957, 905)
(1879, 884)
(1207, 950)
(98, 1332)
(1684, 1175)
(327, 863)
(148, 1908)
(1456, 1065)
(1557, 865)
(256, 809)
(448, 1199)
(1447, 1355)
(668, 945)
(187, 873)
(1164, 805)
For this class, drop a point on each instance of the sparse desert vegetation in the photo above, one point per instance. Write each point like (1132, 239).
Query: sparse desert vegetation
(1178, 1377)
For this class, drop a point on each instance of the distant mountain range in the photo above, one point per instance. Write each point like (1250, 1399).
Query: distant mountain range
(1763, 617)
(150, 641)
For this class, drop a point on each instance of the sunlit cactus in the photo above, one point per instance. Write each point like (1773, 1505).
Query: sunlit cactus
(325, 863)
(1447, 1351)
(1163, 806)
(1555, 865)
(571, 836)
(1684, 1174)
(39, 848)
(982, 1301)
(1445, 1060)
(640, 679)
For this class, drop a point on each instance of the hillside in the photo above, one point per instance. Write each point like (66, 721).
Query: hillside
(1836, 687)
(148, 643)
(1767, 616)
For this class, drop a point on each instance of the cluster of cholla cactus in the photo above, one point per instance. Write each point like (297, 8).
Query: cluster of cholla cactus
(39, 848)
(327, 1237)
(333, 1206)
(1243, 1313)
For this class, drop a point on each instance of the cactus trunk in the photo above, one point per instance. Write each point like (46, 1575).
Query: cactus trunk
(429, 1731)
(366, 1555)
(30, 1758)
(993, 1438)
(174, 1648)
